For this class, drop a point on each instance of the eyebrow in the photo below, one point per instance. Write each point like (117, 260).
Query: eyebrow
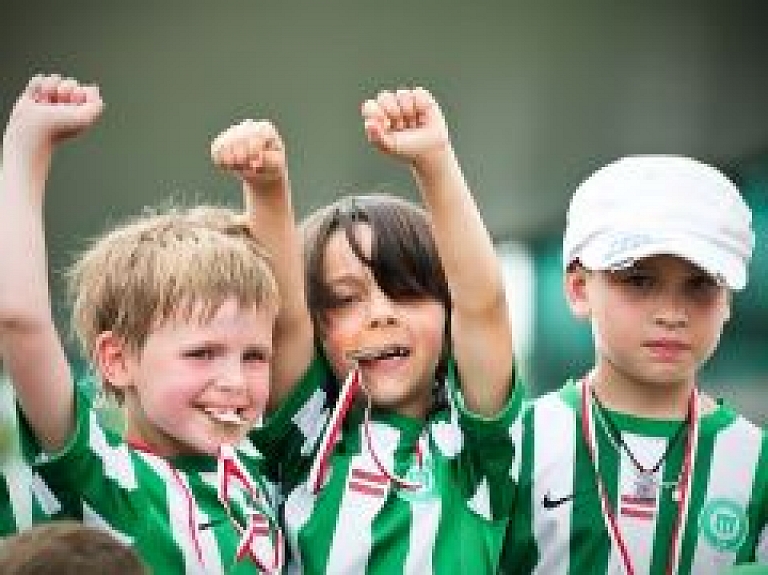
(692, 270)
(347, 279)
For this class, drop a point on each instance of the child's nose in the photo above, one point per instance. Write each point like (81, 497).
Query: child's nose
(672, 311)
(382, 310)
(231, 378)
(672, 319)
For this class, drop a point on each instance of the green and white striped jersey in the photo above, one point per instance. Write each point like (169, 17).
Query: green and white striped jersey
(558, 526)
(360, 522)
(25, 499)
(168, 509)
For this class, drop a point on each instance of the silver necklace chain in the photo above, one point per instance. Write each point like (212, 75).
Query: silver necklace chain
(650, 473)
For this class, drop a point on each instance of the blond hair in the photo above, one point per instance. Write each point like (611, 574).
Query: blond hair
(166, 265)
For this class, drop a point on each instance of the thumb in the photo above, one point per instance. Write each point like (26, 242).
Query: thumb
(379, 136)
(89, 106)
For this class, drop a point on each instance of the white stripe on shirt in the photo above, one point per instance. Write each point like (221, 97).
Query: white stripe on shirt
(731, 476)
(554, 450)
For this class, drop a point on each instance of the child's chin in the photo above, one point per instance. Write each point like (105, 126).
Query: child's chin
(213, 447)
(232, 440)
(390, 402)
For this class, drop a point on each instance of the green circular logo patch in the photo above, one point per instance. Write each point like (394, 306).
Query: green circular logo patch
(723, 523)
(426, 478)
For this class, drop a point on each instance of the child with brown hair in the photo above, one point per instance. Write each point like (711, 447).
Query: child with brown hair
(394, 448)
(632, 468)
(67, 548)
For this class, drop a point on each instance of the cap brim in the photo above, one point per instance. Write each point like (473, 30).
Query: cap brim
(601, 254)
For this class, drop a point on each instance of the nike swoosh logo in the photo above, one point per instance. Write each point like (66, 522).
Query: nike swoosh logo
(550, 503)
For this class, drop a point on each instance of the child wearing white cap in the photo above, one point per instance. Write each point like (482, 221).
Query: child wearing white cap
(630, 468)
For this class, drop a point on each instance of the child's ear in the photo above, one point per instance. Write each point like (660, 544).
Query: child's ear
(575, 287)
(727, 312)
(113, 359)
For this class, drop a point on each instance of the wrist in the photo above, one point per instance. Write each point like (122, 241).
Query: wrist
(260, 193)
(266, 185)
(26, 162)
(436, 161)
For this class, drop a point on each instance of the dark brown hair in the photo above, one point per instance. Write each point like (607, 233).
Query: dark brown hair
(403, 260)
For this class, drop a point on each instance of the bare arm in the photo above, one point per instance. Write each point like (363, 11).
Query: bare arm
(255, 153)
(50, 110)
(408, 124)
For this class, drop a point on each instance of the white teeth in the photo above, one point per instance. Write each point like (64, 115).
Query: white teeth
(381, 353)
(362, 355)
(230, 416)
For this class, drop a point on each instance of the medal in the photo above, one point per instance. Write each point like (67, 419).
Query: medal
(646, 481)
(646, 486)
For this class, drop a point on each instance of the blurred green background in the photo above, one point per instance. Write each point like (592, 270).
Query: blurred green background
(538, 95)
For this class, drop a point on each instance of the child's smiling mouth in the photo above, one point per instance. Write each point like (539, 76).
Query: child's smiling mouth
(364, 355)
(226, 415)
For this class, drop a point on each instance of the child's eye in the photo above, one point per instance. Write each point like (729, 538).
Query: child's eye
(200, 353)
(638, 280)
(702, 287)
(345, 300)
(256, 355)
(412, 298)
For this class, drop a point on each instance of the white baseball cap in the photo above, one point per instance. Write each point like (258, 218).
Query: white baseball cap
(639, 206)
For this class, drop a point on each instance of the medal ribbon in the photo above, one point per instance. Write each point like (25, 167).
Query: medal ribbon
(319, 470)
(191, 520)
(396, 479)
(260, 523)
(684, 482)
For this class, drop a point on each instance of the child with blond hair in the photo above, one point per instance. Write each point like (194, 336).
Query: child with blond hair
(176, 312)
